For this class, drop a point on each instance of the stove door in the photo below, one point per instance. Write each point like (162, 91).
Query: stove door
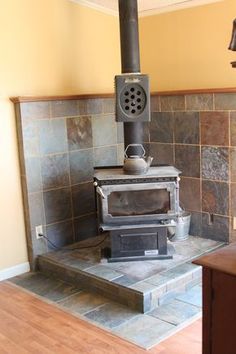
(132, 203)
(141, 202)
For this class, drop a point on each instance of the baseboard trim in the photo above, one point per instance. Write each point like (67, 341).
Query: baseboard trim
(13, 271)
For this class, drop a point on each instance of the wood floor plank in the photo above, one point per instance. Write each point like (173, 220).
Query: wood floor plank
(7, 346)
(29, 325)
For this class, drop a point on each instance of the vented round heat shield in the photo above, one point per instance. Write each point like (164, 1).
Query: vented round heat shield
(132, 98)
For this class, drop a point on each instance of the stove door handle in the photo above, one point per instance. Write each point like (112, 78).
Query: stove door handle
(100, 191)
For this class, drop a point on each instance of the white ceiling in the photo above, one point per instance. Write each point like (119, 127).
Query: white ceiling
(146, 7)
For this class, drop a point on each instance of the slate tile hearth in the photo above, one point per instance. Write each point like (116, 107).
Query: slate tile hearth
(104, 272)
(51, 289)
(125, 280)
(175, 312)
(145, 271)
(83, 302)
(192, 296)
(176, 283)
(143, 285)
(143, 330)
(111, 315)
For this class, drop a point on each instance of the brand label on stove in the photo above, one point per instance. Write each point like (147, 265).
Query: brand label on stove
(151, 252)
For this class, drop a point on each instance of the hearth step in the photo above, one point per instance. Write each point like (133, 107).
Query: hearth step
(142, 286)
(142, 295)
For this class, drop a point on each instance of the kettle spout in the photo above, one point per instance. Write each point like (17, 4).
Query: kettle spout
(149, 161)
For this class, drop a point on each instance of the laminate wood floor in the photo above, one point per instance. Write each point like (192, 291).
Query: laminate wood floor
(30, 325)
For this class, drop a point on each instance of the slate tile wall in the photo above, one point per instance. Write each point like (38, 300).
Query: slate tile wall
(60, 142)
(197, 134)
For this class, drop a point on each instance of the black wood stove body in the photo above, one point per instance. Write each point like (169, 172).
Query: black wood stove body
(136, 211)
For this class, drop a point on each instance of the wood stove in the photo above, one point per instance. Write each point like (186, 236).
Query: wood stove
(136, 210)
(136, 203)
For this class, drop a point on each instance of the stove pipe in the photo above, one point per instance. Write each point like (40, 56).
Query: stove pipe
(130, 61)
(129, 37)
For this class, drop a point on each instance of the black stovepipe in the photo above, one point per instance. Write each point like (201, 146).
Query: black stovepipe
(130, 62)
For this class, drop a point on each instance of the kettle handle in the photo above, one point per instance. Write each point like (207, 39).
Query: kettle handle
(128, 146)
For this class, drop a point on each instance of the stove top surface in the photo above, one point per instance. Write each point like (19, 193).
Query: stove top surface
(114, 173)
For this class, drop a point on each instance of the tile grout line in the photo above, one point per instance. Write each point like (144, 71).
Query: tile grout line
(44, 223)
(71, 197)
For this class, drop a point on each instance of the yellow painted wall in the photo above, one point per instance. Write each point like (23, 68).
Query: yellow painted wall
(48, 47)
(187, 49)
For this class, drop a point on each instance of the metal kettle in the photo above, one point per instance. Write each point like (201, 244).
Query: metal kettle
(136, 164)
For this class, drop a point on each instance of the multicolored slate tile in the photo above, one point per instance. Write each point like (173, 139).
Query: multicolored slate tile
(175, 312)
(145, 330)
(111, 315)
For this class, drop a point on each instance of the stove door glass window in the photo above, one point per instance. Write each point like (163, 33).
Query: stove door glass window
(141, 202)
